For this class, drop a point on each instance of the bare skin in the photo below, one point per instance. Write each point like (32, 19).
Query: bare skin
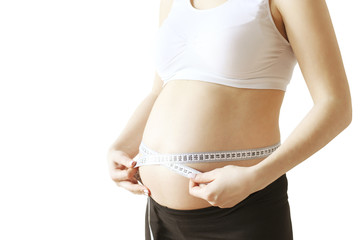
(213, 117)
(207, 117)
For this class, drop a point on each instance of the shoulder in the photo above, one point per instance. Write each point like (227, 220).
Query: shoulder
(313, 40)
(297, 5)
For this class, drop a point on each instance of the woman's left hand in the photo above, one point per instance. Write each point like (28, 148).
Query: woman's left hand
(224, 187)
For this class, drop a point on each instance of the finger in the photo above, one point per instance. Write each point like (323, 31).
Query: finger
(133, 187)
(197, 190)
(120, 167)
(204, 177)
(122, 158)
(132, 171)
(121, 175)
(134, 180)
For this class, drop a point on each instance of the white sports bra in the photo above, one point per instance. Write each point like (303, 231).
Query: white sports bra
(235, 44)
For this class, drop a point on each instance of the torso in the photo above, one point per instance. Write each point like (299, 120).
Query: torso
(196, 116)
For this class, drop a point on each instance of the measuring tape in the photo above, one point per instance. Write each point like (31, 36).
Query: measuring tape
(175, 161)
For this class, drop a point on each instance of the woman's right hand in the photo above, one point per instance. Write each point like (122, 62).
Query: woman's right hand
(122, 172)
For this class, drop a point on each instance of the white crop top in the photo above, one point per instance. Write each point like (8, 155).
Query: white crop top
(235, 44)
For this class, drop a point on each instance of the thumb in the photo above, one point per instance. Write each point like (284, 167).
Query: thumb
(204, 177)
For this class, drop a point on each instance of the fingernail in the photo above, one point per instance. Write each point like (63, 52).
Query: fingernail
(192, 175)
(146, 192)
(132, 163)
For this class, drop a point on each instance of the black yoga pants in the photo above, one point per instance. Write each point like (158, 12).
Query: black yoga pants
(263, 215)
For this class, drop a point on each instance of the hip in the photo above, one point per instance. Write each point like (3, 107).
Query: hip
(264, 214)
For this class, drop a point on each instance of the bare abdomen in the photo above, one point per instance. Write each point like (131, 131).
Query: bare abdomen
(196, 116)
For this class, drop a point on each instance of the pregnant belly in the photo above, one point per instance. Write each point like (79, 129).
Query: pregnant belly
(194, 116)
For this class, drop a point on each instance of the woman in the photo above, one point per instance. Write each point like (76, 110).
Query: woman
(222, 72)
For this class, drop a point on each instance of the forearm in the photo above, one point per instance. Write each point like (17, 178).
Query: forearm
(323, 123)
(130, 138)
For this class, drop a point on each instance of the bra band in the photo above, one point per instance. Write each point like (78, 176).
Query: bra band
(175, 161)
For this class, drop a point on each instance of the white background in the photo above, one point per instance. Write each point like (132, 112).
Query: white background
(71, 74)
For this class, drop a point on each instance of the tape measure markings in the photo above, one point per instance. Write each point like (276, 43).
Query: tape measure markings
(175, 161)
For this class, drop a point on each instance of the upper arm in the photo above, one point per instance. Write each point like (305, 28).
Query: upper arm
(157, 85)
(312, 37)
(165, 6)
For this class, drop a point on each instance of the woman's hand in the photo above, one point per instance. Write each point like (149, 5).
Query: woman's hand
(224, 187)
(122, 172)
